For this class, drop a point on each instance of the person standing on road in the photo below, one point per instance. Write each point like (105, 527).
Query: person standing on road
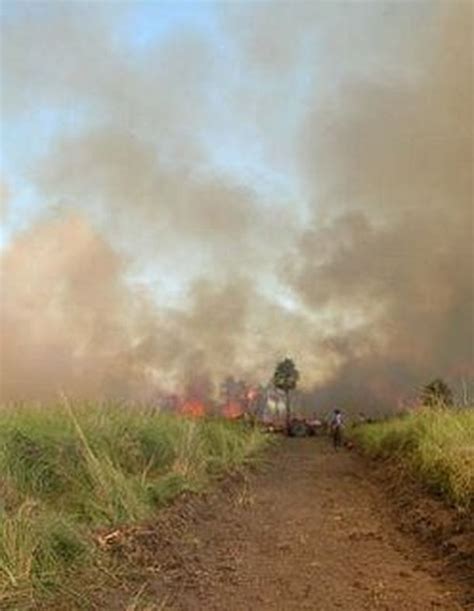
(336, 424)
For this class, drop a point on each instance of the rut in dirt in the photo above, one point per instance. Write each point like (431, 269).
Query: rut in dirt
(308, 530)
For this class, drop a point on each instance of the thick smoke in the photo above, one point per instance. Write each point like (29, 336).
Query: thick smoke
(366, 282)
(393, 242)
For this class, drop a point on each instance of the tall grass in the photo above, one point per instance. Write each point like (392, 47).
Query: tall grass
(67, 470)
(436, 445)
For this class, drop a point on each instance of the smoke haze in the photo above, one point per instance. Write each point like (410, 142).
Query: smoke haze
(279, 181)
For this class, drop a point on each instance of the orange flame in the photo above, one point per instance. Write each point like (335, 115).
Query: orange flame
(193, 408)
(232, 410)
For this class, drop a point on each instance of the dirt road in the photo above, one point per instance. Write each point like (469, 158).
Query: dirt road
(309, 530)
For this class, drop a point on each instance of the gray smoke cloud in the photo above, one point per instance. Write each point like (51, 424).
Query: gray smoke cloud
(392, 243)
(366, 282)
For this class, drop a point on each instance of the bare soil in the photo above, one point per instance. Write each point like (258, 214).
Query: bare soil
(310, 529)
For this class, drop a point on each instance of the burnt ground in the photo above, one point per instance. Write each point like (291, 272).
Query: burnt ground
(309, 529)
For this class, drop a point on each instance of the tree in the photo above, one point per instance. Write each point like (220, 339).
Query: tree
(286, 378)
(437, 392)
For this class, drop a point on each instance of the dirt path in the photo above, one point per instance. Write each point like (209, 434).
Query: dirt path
(308, 531)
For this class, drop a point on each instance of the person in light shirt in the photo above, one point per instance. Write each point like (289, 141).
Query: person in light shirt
(336, 424)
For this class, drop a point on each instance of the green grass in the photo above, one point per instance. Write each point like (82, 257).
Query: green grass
(68, 470)
(436, 445)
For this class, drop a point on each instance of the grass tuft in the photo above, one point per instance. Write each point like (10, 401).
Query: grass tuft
(67, 470)
(436, 445)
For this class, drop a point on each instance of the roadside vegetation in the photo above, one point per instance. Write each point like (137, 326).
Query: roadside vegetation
(69, 472)
(435, 444)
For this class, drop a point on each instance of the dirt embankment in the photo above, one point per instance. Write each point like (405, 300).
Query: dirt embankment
(310, 529)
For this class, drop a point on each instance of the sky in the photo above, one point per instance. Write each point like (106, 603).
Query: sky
(133, 28)
(193, 189)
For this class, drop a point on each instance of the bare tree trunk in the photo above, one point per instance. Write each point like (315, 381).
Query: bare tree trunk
(287, 405)
(466, 399)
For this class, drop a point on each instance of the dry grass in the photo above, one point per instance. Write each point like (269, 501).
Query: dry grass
(437, 445)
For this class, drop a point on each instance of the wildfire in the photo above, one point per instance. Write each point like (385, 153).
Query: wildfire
(193, 408)
(252, 394)
(232, 410)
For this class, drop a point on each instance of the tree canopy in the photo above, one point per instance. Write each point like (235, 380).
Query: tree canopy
(286, 375)
(437, 392)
